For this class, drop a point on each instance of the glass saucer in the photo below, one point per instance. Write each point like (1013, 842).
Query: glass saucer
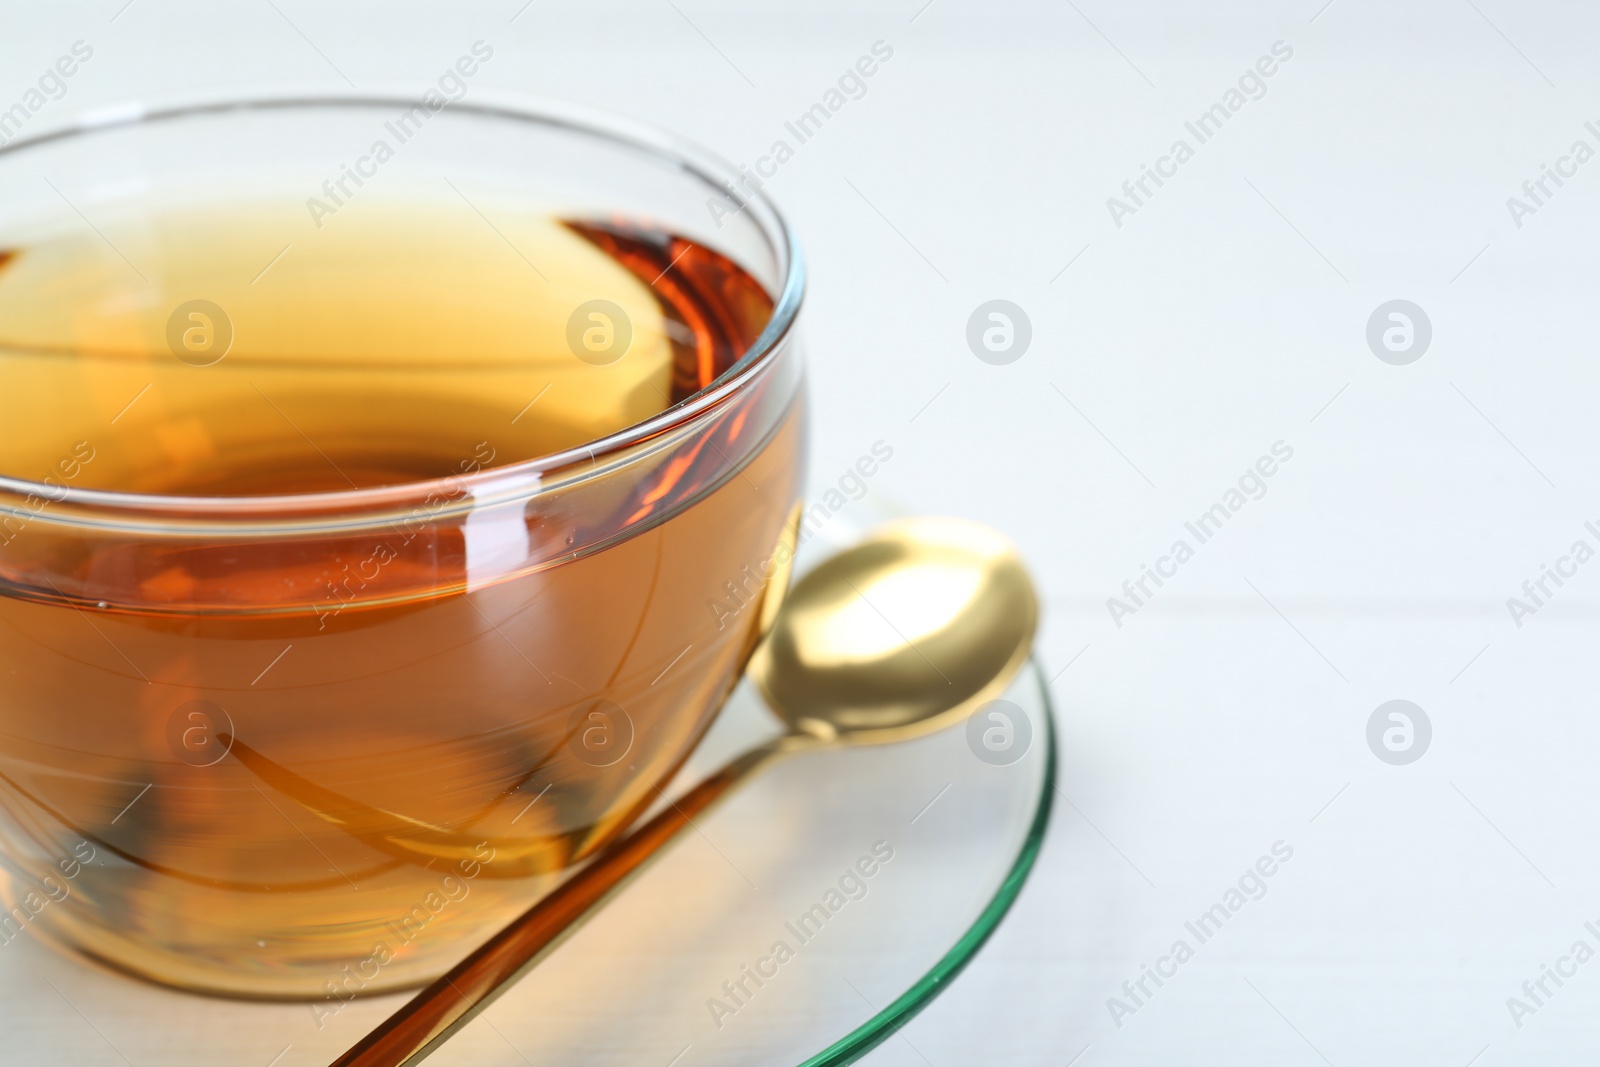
(803, 922)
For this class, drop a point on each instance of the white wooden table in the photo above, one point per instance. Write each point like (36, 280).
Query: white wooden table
(1226, 313)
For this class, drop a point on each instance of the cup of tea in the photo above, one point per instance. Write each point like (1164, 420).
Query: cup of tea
(390, 492)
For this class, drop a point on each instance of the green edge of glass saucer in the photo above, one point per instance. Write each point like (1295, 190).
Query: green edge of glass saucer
(878, 1029)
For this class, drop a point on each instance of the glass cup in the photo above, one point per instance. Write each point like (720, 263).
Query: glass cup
(318, 742)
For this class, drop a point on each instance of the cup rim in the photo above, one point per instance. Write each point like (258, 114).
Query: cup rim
(511, 481)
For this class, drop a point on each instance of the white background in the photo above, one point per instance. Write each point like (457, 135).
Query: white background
(1227, 314)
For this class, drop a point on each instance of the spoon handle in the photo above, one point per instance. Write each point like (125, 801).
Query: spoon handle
(425, 1021)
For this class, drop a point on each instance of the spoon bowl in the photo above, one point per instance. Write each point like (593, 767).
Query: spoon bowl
(901, 635)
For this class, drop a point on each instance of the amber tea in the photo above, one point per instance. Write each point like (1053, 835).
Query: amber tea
(311, 678)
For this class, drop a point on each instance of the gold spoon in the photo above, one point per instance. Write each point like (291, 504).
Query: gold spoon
(901, 635)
